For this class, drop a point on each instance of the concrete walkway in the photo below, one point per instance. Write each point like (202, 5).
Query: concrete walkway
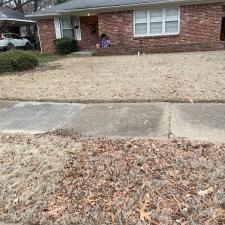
(203, 122)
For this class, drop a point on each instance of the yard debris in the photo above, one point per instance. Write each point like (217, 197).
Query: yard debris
(144, 215)
(63, 180)
(205, 192)
(190, 99)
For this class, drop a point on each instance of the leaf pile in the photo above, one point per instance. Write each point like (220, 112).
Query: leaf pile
(137, 182)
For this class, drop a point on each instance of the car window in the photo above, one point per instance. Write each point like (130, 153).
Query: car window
(7, 35)
(15, 36)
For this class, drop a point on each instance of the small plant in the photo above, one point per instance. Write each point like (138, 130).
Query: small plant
(17, 60)
(66, 45)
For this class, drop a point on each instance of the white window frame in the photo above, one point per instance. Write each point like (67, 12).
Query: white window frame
(66, 28)
(163, 23)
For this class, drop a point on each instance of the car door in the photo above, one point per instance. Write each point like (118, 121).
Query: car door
(17, 40)
(8, 39)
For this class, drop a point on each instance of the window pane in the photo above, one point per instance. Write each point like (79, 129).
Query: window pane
(172, 14)
(172, 27)
(156, 28)
(14, 36)
(141, 16)
(66, 22)
(141, 29)
(68, 33)
(7, 35)
(156, 15)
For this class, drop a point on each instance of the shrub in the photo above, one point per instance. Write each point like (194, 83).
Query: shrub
(66, 45)
(16, 60)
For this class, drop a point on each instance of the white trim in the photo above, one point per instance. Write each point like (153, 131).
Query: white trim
(58, 31)
(163, 22)
(77, 32)
(39, 38)
(17, 20)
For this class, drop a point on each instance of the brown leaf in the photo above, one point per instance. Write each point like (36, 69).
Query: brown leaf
(190, 99)
(205, 192)
(185, 223)
(144, 215)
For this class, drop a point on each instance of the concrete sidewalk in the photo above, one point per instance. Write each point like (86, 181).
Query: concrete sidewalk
(203, 122)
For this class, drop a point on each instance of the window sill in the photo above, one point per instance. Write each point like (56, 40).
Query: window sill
(156, 36)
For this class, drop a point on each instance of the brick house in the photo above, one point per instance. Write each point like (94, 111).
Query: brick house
(132, 26)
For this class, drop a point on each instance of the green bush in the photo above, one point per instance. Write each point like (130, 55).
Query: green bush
(66, 45)
(16, 60)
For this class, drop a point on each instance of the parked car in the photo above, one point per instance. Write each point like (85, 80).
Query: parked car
(10, 41)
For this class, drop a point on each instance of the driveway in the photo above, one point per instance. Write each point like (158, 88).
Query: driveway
(160, 77)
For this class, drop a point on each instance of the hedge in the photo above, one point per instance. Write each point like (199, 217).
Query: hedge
(17, 60)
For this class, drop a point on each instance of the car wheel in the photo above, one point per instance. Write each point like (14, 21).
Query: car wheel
(10, 46)
(28, 46)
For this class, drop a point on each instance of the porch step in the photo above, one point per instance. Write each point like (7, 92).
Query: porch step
(83, 53)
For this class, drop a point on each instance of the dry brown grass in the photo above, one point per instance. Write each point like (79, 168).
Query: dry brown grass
(52, 179)
(159, 77)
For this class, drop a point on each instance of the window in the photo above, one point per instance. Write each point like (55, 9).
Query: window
(15, 36)
(156, 22)
(67, 27)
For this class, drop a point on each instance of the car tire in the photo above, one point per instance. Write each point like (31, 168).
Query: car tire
(28, 46)
(10, 46)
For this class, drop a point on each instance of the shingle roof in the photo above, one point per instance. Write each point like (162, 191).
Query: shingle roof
(9, 14)
(79, 5)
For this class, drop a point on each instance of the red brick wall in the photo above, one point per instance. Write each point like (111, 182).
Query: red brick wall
(89, 39)
(200, 29)
(47, 36)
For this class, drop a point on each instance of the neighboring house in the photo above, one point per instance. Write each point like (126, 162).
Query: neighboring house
(135, 25)
(12, 21)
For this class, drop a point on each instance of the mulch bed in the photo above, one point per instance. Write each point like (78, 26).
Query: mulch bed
(142, 182)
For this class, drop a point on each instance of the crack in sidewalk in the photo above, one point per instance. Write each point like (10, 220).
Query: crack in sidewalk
(169, 121)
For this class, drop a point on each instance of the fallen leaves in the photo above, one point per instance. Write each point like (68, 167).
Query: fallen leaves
(118, 182)
(144, 214)
(205, 192)
(190, 99)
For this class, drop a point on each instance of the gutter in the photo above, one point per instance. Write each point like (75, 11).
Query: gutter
(43, 15)
(127, 6)
(17, 20)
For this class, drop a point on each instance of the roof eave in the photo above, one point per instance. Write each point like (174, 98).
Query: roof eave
(17, 20)
(42, 15)
(122, 7)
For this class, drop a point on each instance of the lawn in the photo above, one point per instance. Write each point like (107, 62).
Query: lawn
(178, 77)
(48, 58)
(56, 179)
